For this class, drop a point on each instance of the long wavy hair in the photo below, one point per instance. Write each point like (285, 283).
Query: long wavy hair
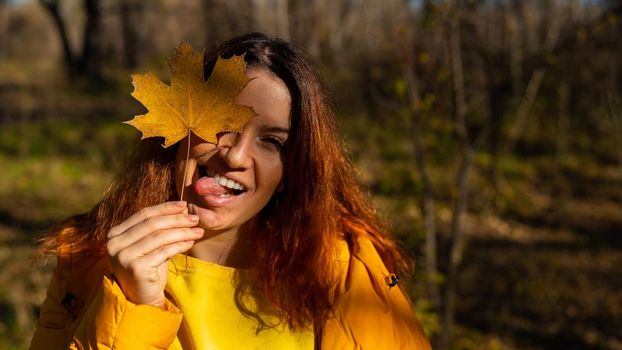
(320, 203)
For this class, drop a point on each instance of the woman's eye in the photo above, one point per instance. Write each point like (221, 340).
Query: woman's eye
(273, 142)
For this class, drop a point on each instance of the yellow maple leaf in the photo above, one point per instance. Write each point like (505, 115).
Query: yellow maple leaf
(191, 103)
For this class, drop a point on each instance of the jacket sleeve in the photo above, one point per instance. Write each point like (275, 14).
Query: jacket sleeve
(108, 321)
(50, 332)
(368, 313)
(113, 322)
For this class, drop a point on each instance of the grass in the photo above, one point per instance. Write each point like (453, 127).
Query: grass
(50, 170)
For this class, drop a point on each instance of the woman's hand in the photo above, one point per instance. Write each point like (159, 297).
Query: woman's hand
(140, 247)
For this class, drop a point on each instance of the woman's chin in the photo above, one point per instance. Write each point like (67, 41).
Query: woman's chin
(209, 219)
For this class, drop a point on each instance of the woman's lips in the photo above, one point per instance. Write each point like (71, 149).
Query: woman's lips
(213, 193)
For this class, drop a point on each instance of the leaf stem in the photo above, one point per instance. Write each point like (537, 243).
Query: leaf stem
(183, 184)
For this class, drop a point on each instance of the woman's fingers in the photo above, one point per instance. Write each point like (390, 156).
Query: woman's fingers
(147, 227)
(157, 240)
(166, 208)
(143, 280)
(140, 247)
(162, 254)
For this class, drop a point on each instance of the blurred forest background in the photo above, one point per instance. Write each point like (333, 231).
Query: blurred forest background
(489, 133)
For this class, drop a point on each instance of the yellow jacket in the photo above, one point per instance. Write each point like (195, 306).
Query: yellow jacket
(85, 309)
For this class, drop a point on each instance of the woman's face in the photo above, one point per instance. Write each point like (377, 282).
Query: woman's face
(229, 183)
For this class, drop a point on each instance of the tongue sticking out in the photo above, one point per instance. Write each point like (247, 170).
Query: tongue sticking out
(207, 186)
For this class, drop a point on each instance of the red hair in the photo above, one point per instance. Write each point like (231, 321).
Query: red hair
(320, 203)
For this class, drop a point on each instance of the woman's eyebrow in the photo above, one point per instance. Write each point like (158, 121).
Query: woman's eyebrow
(275, 129)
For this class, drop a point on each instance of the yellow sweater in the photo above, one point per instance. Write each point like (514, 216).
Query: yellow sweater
(85, 309)
(205, 292)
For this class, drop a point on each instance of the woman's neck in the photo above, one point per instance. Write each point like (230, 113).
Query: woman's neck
(231, 248)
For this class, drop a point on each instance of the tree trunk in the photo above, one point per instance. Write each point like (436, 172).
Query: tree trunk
(458, 240)
(70, 62)
(561, 187)
(520, 121)
(129, 10)
(522, 113)
(90, 62)
(208, 27)
(4, 29)
(427, 202)
(516, 47)
(616, 118)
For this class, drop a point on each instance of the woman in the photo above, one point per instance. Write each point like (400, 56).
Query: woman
(275, 246)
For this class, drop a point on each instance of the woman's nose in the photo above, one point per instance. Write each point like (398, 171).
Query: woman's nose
(234, 149)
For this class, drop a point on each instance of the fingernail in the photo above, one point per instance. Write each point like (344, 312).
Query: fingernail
(180, 204)
(197, 230)
(193, 217)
